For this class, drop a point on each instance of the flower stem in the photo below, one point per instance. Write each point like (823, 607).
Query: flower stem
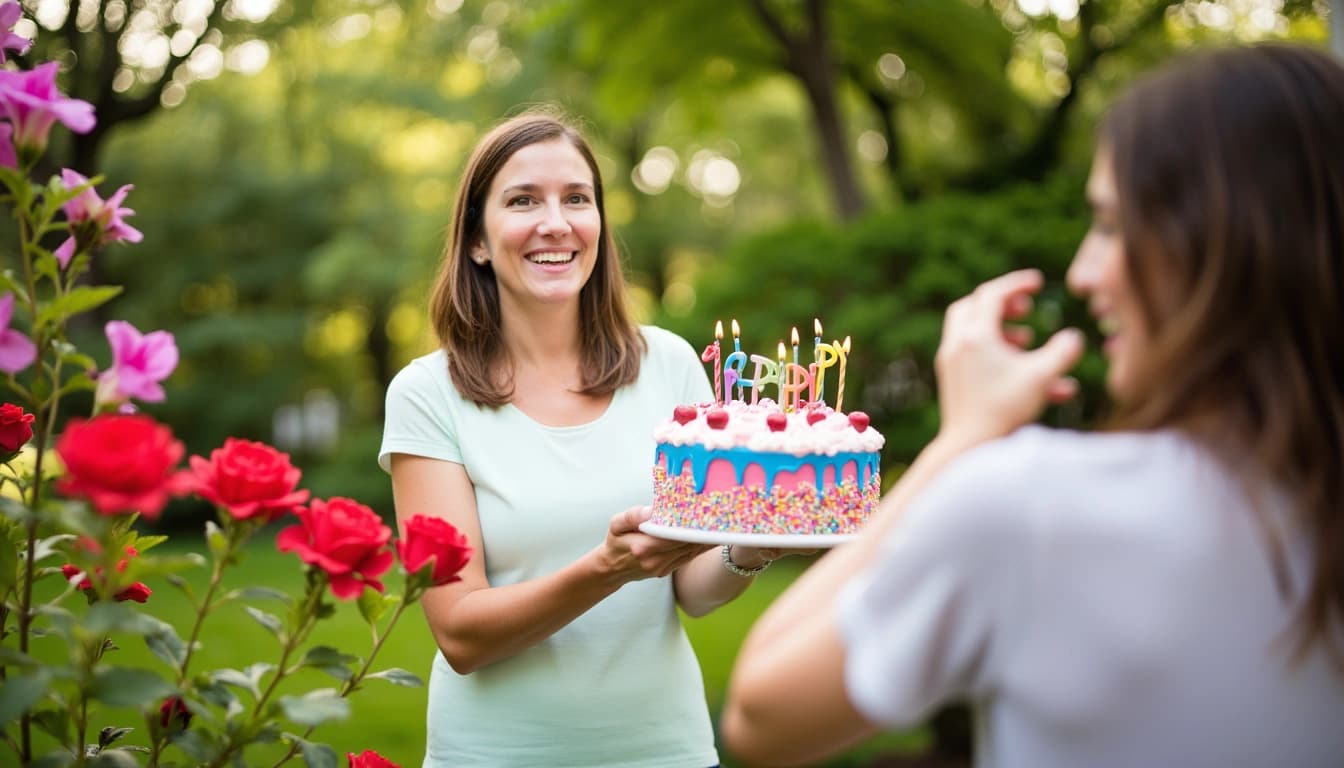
(349, 686)
(305, 617)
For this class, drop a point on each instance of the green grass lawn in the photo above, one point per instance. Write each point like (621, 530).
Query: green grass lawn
(390, 718)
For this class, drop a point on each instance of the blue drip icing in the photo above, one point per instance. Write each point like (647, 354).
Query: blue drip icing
(866, 464)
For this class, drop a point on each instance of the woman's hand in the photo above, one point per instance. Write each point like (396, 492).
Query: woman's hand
(629, 555)
(988, 383)
(754, 557)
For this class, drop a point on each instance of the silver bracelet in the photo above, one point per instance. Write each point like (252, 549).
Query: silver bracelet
(727, 553)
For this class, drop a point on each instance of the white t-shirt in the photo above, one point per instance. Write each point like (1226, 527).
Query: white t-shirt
(1101, 600)
(618, 686)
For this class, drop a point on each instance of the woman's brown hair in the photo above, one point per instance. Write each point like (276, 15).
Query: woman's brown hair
(1231, 195)
(464, 307)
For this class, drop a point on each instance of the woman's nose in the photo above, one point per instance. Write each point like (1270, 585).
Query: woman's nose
(1080, 275)
(553, 221)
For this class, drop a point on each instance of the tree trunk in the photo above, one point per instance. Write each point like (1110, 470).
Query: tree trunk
(808, 57)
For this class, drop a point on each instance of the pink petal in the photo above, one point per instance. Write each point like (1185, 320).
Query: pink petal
(16, 351)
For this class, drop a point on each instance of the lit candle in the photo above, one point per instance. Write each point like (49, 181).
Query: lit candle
(712, 353)
(732, 370)
(737, 350)
(760, 377)
(842, 351)
(794, 341)
(799, 380)
(827, 355)
(782, 375)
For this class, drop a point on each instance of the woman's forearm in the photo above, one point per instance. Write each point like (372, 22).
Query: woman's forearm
(493, 623)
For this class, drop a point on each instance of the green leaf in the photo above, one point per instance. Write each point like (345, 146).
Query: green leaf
(199, 745)
(114, 758)
(10, 283)
(314, 755)
(372, 605)
(128, 687)
(59, 758)
(107, 617)
(13, 657)
(266, 620)
(248, 679)
(55, 721)
(397, 677)
(217, 540)
(330, 660)
(79, 382)
(259, 593)
(109, 735)
(80, 299)
(165, 643)
(49, 546)
(19, 693)
(70, 355)
(315, 707)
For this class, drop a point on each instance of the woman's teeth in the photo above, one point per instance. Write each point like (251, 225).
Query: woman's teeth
(556, 257)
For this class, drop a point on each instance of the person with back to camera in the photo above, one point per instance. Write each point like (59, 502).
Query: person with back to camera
(1169, 592)
(531, 431)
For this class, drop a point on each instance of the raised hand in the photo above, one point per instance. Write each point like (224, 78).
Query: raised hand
(988, 383)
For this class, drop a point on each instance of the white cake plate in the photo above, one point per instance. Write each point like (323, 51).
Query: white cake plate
(773, 540)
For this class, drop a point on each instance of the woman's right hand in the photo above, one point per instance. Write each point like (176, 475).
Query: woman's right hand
(989, 384)
(629, 555)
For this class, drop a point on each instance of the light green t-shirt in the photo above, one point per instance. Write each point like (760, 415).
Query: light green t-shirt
(618, 686)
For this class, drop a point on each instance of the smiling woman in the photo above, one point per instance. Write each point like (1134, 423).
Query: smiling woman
(531, 430)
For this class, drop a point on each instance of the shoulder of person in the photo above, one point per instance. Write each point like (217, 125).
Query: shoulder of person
(424, 374)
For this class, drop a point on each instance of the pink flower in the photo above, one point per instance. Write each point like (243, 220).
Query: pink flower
(87, 208)
(16, 350)
(139, 363)
(8, 158)
(31, 103)
(11, 12)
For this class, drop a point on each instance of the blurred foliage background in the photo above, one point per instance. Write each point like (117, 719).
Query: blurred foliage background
(858, 161)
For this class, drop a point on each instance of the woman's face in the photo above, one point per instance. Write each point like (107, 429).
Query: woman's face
(1098, 274)
(542, 226)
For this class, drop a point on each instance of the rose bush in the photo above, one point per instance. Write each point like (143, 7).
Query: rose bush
(72, 489)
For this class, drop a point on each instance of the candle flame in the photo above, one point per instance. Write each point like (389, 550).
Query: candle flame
(718, 330)
(816, 327)
(845, 345)
(781, 349)
(794, 338)
(736, 331)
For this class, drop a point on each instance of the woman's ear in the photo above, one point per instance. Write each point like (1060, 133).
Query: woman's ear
(480, 254)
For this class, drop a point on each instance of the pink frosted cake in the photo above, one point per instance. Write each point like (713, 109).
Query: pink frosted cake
(741, 468)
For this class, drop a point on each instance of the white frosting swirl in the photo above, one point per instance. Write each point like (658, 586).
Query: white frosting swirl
(747, 428)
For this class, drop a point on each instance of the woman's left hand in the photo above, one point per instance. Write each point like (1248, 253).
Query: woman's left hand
(755, 557)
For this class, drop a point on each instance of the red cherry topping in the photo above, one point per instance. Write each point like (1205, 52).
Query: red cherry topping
(814, 416)
(717, 418)
(683, 414)
(858, 420)
(777, 422)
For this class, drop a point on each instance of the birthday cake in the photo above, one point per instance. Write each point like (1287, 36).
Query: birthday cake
(759, 469)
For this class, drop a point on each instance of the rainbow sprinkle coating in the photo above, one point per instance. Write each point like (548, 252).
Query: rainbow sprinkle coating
(803, 509)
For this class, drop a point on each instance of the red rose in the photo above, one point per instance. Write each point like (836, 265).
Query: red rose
(16, 427)
(433, 538)
(121, 463)
(173, 713)
(137, 591)
(248, 479)
(344, 538)
(369, 759)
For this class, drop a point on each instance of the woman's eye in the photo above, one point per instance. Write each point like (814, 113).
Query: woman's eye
(519, 201)
(577, 199)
